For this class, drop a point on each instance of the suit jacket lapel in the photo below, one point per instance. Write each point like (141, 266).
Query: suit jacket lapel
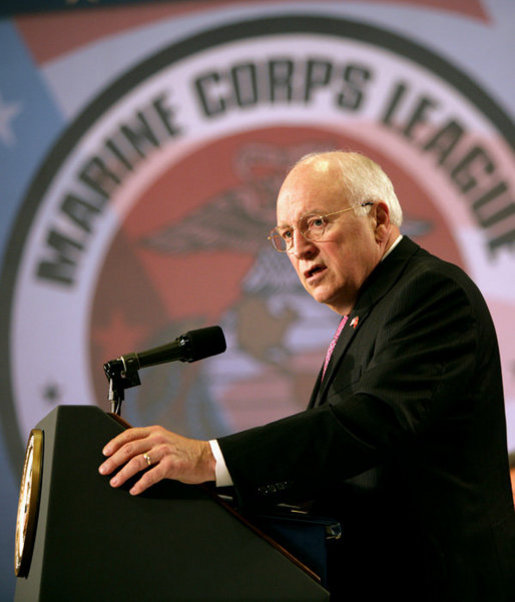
(355, 318)
(315, 394)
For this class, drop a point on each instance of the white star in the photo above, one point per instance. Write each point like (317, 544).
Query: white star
(7, 113)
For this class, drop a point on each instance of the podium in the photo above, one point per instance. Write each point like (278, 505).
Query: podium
(174, 542)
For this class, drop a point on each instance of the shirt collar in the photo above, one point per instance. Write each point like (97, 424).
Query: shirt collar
(396, 242)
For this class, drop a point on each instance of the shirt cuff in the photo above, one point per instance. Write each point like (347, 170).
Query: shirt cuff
(223, 478)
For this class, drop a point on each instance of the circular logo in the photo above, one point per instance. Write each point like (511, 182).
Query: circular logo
(149, 217)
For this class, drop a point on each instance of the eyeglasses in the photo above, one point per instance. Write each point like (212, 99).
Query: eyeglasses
(312, 227)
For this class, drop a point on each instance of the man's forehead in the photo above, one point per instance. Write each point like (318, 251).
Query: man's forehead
(312, 188)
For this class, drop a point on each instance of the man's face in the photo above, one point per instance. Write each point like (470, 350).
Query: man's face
(331, 270)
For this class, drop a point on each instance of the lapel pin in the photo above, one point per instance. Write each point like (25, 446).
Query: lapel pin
(354, 322)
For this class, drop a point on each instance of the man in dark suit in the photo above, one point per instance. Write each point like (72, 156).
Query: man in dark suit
(404, 440)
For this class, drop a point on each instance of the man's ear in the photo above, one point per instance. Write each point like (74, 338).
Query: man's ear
(382, 220)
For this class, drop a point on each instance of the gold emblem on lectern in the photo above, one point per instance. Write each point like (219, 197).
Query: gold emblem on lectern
(28, 503)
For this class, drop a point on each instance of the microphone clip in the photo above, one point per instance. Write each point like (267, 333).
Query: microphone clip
(122, 373)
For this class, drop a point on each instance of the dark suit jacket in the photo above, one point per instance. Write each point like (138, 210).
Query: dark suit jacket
(404, 442)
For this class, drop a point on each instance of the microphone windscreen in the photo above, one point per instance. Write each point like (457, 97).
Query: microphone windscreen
(205, 342)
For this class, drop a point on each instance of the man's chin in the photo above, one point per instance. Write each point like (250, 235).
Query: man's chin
(319, 294)
(334, 302)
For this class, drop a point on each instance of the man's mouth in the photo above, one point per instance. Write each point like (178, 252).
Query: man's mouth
(313, 271)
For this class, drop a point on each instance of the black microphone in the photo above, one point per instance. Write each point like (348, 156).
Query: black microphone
(190, 347)
(122, 372)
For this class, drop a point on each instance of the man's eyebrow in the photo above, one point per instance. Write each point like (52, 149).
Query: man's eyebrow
(308, 213)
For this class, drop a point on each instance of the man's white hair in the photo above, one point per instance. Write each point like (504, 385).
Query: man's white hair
(362, 180)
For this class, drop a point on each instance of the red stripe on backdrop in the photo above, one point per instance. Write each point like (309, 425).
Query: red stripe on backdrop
(470, 8)
(50, 35)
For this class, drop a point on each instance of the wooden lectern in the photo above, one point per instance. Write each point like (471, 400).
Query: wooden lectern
(174, 542)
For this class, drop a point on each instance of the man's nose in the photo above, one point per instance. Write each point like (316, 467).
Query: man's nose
(301, 246)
